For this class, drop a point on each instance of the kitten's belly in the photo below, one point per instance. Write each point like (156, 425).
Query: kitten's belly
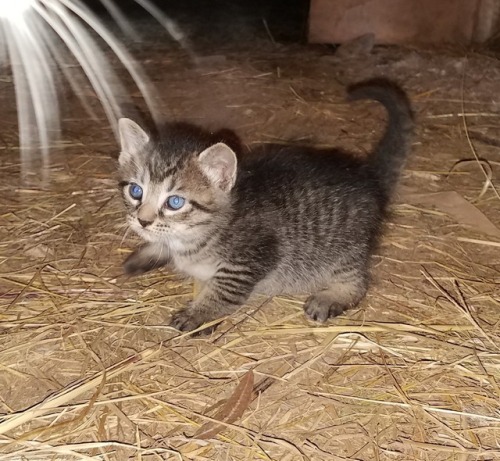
(291, 283)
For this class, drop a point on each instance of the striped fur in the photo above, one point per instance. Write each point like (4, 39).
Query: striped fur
(278, 220)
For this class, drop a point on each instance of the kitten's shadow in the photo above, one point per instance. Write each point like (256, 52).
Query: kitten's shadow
(187, 130)
(296, 149)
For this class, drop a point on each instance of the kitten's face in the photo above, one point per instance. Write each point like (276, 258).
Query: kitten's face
(173, 206)
(173, 197)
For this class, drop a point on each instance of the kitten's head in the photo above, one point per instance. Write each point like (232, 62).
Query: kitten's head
(177, 187)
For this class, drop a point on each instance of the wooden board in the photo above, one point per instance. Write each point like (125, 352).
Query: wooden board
(403, 21)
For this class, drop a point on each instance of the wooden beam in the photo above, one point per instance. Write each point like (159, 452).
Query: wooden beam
(403, 21)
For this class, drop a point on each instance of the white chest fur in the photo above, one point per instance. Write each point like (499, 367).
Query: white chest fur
(200, 270)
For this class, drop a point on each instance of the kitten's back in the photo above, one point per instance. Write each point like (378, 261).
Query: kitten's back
(325, 206)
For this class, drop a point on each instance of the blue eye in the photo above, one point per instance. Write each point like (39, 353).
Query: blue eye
(135, 191)
(175, 202)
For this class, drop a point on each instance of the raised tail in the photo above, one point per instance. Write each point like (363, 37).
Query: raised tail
(389, 156)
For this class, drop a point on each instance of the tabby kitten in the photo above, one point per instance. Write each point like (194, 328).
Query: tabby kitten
(290, 220)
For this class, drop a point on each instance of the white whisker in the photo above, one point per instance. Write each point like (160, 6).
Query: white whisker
(172, 27)
(127, 229)
(119, 18)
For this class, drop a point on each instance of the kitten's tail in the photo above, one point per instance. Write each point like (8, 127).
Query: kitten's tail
(390, 154)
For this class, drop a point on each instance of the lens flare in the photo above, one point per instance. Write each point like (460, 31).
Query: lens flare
(14, 9)
(46, 41)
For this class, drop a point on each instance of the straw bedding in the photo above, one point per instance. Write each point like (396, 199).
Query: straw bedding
(89, 368)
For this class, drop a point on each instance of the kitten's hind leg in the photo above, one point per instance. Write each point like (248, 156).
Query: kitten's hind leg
(146, 258)
(345, 290)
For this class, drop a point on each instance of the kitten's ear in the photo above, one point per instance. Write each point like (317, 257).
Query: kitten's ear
(132, 139)
(219, 164)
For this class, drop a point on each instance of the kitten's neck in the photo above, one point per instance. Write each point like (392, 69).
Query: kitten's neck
(202, 241)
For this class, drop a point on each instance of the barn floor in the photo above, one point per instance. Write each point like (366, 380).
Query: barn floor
(89, 368)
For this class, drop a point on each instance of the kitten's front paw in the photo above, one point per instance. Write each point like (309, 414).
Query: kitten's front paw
(134, 265)
(320, 307)
(145, 258)
(189, 319)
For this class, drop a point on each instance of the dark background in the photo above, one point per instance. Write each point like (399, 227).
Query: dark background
(223, 19)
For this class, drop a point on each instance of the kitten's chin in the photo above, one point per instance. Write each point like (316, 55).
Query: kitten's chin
(147, 237)
(152, 237)
(144, 234)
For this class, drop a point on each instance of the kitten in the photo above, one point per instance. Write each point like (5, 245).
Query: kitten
(292, 220)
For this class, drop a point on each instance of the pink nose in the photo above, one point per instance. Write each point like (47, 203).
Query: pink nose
(144, 223)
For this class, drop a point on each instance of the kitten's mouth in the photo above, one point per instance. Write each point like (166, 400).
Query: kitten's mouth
(143, 232)
(148, 234)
